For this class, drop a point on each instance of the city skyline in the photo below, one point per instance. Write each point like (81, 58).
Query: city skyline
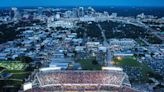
(55, 48)
(28, 3)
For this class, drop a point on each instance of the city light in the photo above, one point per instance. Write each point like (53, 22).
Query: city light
(119, 58)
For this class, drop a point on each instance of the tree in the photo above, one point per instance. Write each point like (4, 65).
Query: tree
(38, 64)
(136, 50)
(42, 47)
(75, 53)
(152, 54)
(24, 59)
(1, 85)
(135, 55)
(94, 62)
(30, 68)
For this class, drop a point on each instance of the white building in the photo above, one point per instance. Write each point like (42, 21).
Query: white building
(113, 15)
(62, 65)
(93, 44)
(103, 49)
(79, 48)
(87, 18)
(122, 54)
(65, 24)
(124, 43)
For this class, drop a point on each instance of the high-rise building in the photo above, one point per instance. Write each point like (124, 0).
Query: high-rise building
(68, 14)
(14, 13)
(106, 13)
(113, 15)
(75, 12)
(90, 11)
(142, 15)
(81, 12)
(40, 10)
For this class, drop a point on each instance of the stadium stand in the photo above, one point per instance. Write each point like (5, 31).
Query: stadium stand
(81, 81)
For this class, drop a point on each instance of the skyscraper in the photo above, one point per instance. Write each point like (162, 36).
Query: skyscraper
(81, 12)
(90, 11)
(14, 13)
(75, 12)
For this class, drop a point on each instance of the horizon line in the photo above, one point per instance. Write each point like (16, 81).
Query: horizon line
(80, 6)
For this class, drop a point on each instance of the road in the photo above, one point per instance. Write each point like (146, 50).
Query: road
(147, 43)
(105, 43)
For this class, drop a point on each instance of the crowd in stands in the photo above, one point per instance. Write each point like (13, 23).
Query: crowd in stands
(61, 81)
(80, 77)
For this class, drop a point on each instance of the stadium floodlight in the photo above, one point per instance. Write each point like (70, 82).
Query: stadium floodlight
(112, 68)
(50, 68)
(27, 86)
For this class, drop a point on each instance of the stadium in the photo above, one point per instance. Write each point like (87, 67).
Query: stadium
(80, 81)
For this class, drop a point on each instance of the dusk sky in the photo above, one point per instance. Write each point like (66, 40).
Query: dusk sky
(17, 3)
